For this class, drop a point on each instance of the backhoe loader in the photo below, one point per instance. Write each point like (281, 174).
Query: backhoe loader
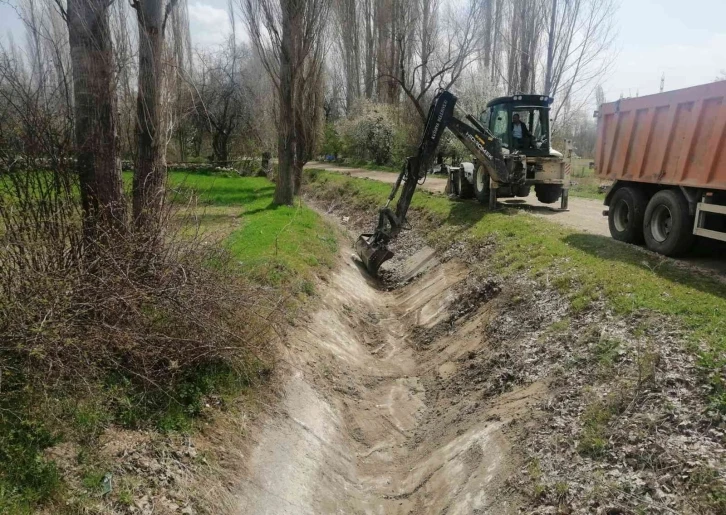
(505, 164)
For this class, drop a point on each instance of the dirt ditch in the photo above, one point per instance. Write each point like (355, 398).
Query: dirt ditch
(445, 389)
(368, 424)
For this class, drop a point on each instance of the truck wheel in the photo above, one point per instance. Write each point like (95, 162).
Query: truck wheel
(548, 193)
(626, 214)
(463, 187)
(668, 226)
(481, 185)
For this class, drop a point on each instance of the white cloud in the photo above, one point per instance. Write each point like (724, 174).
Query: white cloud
(208, 25)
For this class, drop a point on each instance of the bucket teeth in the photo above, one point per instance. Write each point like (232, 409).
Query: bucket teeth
(372, 255)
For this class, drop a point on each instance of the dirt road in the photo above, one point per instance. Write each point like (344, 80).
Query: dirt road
(583, 215)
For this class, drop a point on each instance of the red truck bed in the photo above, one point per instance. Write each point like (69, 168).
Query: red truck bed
(676, 137)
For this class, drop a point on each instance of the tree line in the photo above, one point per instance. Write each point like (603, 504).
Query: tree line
(123, 81)
(398, 52)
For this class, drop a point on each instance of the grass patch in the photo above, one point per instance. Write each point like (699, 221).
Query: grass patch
(585, 267)
(589, 189)
(275, 245)
(585, 184)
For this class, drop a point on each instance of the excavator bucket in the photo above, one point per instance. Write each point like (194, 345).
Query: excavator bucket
(372, 255)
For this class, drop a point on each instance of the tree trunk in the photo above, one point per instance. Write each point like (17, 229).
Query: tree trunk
(526, 45)
(150, 173)
(495, 43)
(348, 20)
(370, 72)
(220, 144)
(383, 29)
(550, 50)
(488, 28)
(96, 137)
(287, 144)
(425, 42)
(514, 51)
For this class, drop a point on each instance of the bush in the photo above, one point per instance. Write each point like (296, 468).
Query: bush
(369, 134)
(129, 317)
(331, 141)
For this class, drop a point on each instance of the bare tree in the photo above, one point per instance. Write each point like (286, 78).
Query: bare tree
(428, 37)
(551, 31)
(348, 38)
(150, 172)
(579, 37)
(530, 16)
(457, 47)
(370, 48)
(286, 34)
(308, 111)
(226, 96)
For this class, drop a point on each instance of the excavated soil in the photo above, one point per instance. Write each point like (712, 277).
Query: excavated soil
(368, 420)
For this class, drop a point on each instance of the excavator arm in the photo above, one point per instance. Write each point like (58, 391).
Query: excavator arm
(372, 248)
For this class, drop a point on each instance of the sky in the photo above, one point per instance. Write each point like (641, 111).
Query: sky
(685, 41)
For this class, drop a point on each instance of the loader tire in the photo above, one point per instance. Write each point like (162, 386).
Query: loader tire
(463, 187)
(481, 185)
(668, 224)
(522, 190)
(548, 193)
(626, 214)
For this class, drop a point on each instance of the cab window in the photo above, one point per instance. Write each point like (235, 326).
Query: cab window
(484, 118)
(499, 124)
(535, 119)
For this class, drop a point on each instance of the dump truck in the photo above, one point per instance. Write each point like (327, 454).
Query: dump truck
(665, 156)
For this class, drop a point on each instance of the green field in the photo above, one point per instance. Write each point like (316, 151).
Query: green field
(274, 244)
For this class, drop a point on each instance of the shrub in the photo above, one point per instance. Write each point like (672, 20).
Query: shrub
(130, 317)
(369, 133)
(332, 143)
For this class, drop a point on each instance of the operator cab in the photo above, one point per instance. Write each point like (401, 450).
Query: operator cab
(521, 122)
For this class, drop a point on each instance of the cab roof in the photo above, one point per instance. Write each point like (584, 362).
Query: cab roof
(530, 100)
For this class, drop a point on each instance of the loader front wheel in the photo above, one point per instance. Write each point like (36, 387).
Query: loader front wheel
(481, 185)
(463, 187)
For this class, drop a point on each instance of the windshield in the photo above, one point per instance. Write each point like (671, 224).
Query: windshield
(532, 132)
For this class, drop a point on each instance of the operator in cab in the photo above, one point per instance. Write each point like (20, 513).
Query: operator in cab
(520, 134)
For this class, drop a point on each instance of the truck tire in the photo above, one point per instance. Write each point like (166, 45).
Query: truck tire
(626, 215)
(481, 185)
(463, 187)
(668, 226)
(548, 193)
